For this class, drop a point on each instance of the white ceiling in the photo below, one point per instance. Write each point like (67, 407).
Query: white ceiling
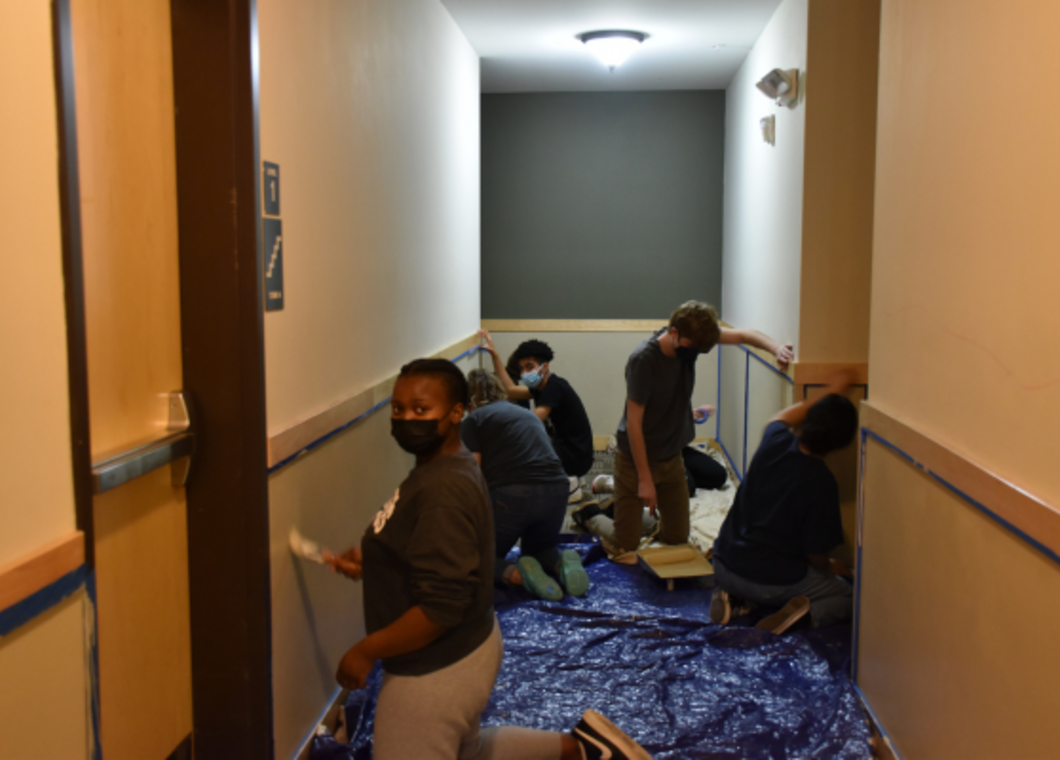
(530, 45)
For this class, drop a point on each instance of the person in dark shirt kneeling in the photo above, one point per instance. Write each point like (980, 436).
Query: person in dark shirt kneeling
(427, 564)
(773, 547)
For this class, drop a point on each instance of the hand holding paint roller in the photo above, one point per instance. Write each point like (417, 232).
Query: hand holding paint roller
(349, 563)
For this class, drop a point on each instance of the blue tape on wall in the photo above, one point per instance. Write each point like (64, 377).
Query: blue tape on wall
(328, 436)
(20, 613)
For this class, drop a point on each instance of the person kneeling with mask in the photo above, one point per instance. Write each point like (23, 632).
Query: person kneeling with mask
(427, 565)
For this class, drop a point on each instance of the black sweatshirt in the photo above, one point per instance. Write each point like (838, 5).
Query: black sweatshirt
(432, 546)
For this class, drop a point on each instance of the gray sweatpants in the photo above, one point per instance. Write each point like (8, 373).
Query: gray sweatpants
(436, 716)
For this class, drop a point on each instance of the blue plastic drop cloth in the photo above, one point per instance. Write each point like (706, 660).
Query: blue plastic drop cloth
(652, 661)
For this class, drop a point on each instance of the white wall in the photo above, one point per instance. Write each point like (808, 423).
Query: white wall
(371, 109)
(762, 236)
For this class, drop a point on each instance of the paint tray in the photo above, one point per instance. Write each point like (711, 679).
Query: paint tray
(670, 562)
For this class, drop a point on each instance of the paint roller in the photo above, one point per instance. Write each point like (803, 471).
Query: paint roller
(306, 549)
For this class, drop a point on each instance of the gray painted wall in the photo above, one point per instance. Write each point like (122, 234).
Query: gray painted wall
(601, 205)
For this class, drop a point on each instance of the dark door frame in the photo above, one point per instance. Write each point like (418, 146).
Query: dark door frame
(215, 84)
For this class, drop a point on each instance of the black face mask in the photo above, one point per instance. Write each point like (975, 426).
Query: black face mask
(687, 355)
(419, 437)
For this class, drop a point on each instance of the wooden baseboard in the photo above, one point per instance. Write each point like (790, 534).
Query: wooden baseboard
(29, 574)
(574, 325)
(298, 436)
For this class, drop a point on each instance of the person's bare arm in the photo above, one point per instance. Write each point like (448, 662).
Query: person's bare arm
(796, 413)
(514, 390)
(542, 412)
(409, 633)
(784, 352)
(635, 432)
(478, 457)
(830, 564)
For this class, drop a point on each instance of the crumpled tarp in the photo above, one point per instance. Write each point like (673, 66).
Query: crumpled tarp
(652, 661)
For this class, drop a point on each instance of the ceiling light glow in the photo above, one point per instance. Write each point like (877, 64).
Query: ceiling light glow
(612, 46)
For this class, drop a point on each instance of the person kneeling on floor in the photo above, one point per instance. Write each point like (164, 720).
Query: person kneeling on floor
(528, 489)
(427, 564)
(773, 547)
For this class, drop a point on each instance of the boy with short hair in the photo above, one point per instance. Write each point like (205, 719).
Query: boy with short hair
(554, 400)
(657, 422)
(773, 547)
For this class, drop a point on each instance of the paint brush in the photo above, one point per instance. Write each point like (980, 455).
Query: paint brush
(306, 549)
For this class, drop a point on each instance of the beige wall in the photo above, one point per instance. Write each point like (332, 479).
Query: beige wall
(372, 112)
(840, 145)
(371, 109)
(957, 631)
(44, 699)
(35, 463)
(43, 704)
(965, 262)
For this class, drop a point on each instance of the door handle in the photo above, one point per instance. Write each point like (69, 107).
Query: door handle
(177, 446)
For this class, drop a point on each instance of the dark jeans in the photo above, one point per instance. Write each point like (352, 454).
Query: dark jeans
(831, 598)
(533, 513)
(702, 471)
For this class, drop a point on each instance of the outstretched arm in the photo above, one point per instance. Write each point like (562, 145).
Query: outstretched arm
(514, 390)
(783, 351)
(796, 413)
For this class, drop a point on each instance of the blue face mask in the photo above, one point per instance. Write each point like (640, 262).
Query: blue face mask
(532, 379)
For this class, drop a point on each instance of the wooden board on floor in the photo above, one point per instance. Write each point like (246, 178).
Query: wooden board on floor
(670, 562)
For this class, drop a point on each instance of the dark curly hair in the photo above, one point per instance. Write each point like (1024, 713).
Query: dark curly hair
(444, 370)
(533, 349)
(830, 424)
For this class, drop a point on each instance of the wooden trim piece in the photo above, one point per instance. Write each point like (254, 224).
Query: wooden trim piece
(29, 574)
(73, 275)
(820, 373)
(290, 441)
(1028, 514)
(215, 88)
(574, 325)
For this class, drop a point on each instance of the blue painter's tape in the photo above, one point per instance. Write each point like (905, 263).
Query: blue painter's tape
(746, 405)
(1047, 551)
(998, 519)
(93, 647)
(732, 464)
(717, 409)
(764, 363)
(41, 601)
(328, 436)
(876, 720)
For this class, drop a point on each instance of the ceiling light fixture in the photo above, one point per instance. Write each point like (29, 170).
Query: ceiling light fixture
(612, 46)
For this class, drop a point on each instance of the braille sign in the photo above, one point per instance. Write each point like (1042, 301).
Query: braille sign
(273, 239)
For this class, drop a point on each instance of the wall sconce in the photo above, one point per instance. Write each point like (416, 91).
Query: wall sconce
(769, 128)
(612, 46)
(782, 86)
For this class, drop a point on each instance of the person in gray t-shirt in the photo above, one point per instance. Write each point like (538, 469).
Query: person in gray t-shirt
(657, 423)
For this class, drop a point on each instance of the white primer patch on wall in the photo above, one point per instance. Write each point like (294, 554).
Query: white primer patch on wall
(762, 241)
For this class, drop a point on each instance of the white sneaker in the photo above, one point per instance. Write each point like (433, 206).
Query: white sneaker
(604, 484)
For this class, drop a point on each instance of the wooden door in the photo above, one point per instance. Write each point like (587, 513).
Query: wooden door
(125, 130)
